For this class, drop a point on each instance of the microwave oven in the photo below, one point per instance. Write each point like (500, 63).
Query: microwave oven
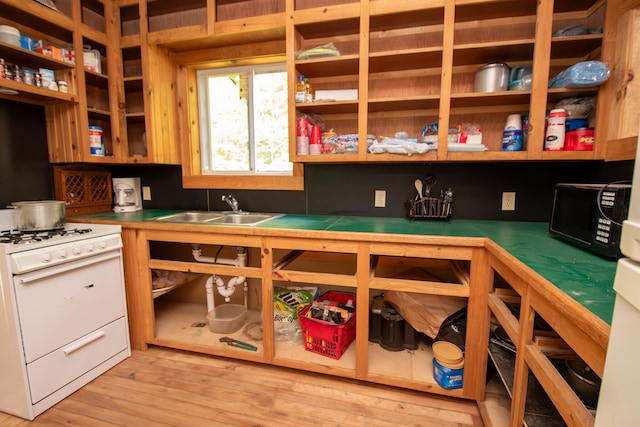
(590, 216)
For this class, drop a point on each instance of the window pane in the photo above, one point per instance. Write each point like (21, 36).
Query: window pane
(229, 123)
(270, 122)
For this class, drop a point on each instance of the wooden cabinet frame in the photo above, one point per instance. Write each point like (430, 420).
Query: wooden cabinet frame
(585, 333)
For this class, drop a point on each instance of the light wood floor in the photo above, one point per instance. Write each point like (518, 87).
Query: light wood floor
(163, 387)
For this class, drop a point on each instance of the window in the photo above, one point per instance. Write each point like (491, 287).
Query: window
(244, 120)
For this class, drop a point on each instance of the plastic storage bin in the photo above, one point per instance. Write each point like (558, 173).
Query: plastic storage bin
(326, 338)
(227, 318)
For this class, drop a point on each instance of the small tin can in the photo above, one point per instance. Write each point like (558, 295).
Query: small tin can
(28, 77)
(17, 74)
(96, 145)
(62, 86)
(37, 78)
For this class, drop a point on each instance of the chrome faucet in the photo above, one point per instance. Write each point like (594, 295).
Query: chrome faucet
(232, 202)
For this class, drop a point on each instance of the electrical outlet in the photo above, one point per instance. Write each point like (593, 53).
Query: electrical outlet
(509, 201)
(381, 199)
(146, 193)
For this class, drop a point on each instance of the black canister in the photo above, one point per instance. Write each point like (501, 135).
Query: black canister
(392, 330)
(389, 329)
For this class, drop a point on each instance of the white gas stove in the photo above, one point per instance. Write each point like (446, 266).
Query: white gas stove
(32, 250)
(63, 306)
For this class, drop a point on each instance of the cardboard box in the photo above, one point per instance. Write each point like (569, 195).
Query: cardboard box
(337, 95)
(48, 79)
(56, 52)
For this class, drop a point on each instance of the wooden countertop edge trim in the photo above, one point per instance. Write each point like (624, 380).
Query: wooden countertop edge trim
(288, 232)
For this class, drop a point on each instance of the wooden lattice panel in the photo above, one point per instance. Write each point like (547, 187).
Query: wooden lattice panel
(85, 189)
(99, 187)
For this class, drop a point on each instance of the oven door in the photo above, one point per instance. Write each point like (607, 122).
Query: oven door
(60, 304)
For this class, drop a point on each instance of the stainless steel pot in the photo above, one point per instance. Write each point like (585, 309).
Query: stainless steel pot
(39, 215)
(492, 78)
(584, 382)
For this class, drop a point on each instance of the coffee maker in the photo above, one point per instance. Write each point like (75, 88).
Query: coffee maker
(127, 195)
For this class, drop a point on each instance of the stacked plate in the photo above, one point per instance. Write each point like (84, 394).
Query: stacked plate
(10, 35)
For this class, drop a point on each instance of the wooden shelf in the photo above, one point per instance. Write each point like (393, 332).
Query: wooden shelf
(405, 60)
(34, 94)
(331, 107)
(332, 66)
(405, 104)
(483, 53)
(575, 46)
(189, 277)
(539, 410)
(132, 84)
(178, 324)
(510, 98)
(29, 59)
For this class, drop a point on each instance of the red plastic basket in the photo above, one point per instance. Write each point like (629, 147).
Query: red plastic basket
(326, 338)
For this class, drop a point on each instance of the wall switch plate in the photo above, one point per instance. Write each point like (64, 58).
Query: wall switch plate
(146, 193)
(509, 201)
(381, 199)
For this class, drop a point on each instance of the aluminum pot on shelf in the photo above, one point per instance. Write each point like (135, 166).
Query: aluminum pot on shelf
(39, 215)
(492, 78)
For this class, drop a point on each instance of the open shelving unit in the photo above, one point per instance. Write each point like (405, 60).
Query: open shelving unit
(415, 65)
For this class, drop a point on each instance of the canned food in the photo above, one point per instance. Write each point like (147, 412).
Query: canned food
(96, 145)
(28, 77)
(17, 74)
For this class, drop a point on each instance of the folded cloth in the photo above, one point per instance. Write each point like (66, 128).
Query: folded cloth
(582, 74)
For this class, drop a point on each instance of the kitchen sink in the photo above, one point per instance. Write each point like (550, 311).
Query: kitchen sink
(210, 217)
(244, 218)
(191, 216)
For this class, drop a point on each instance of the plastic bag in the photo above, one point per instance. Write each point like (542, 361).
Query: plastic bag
(578, 107)
(333, 143)
(287, 303)
(322, 51)
(582, 74)
(425, 313)
(398, 146)
(161, 279)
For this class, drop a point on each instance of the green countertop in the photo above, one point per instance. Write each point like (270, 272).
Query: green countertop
(585, 277)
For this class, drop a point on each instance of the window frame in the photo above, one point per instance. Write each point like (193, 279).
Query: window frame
(192, 176)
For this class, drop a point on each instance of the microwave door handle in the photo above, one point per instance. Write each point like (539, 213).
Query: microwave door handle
(68, 267)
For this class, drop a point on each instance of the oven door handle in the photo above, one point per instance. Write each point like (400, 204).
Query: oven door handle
(83, 342)
(70, 266)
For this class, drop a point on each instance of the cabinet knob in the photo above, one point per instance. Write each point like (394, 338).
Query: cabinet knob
(121, 105)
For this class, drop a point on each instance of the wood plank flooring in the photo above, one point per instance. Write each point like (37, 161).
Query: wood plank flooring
(163, 387)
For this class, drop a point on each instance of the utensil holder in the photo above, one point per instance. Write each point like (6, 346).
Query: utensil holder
(428, 208)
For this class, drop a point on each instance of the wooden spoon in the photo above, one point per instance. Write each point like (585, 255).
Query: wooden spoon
(418, 184)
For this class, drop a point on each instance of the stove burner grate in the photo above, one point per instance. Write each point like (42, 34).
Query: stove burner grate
(16, 237)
